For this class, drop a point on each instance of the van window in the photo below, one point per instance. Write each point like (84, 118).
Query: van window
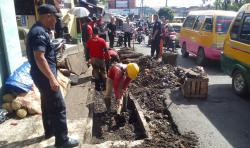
(189, 22)
(208, 24)
(245, 30)
(223, 23)
(236, 27)
(199, 22)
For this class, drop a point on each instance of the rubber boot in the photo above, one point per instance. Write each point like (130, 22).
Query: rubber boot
(107, 102)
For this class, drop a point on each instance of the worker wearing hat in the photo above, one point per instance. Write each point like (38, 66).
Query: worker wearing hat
(42, 58)
(119, 77)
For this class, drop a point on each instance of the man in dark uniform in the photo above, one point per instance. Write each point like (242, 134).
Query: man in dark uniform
(111, 32)
(156, 37)
(42, 58)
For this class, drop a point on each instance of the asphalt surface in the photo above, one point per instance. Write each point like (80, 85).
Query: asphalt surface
(220, 121)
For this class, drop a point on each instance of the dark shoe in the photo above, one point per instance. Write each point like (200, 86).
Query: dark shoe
(48, 136)
(70, 143)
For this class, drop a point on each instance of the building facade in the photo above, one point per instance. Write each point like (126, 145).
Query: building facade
(123, 7)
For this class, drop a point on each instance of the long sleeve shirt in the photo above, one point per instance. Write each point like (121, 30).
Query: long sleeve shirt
(120, 80)
(127, 28)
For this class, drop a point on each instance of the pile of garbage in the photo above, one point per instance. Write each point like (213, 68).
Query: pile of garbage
(24, 104)
(149, 90)
(128, 56)
(22, 97)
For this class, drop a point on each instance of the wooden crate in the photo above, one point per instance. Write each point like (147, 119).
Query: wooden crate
(195, 88)
(169, 58)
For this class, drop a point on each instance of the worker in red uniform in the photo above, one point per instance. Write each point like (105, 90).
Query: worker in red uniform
(87, 33)
(111, 57)
(97, 47)
(119, 77)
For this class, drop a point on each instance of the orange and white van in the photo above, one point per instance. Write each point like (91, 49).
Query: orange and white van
(203, 34)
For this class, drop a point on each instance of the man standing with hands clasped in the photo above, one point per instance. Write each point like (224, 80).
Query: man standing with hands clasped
(42, 58)
(156, 37)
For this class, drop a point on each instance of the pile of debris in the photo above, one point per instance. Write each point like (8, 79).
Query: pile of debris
(29, 103)
(149, 89)
(113, 127)
(128, 56)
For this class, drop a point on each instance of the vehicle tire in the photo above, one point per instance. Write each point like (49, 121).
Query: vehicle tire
(184, 52)
(239, 83)
(201, 58)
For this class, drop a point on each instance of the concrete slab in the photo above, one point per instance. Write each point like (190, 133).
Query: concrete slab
(76, 63)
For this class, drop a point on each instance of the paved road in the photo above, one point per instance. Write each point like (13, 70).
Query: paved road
(220, 121)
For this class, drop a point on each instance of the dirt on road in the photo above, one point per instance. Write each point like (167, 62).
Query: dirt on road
(149, 90)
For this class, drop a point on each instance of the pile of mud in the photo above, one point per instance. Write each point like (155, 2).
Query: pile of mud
(149, 89)
(113, 127)
(153, 80)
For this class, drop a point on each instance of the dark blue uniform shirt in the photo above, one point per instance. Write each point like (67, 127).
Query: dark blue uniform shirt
(38, 40)
(157, 26)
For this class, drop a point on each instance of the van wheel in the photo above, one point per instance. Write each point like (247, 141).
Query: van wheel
(239, 83)
(201, 58)
(184, 52)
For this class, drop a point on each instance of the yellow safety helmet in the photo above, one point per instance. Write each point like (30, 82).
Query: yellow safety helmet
(132, 70)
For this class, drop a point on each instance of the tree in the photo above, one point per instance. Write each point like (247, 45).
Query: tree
(229, 4)
(166, 12)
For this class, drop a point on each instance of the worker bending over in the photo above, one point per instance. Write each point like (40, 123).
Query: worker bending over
(119, 77)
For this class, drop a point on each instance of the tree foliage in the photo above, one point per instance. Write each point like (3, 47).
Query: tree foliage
(166, 12)
(229, 4)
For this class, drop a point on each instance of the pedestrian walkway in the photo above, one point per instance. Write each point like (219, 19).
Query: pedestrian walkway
(28, 132)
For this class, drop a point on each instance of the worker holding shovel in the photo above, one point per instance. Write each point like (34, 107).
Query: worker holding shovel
(119, 77)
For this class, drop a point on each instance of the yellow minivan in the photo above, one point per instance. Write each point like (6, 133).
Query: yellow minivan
(235, 58)
(203, 34)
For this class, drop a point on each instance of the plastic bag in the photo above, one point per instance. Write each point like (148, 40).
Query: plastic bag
(20, 80)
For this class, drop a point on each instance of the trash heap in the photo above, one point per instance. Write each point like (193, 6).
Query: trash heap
(149, 89)
(22, 97)
(24, 104)
(128, 56)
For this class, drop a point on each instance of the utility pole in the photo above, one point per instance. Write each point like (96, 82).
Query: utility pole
(166, 3)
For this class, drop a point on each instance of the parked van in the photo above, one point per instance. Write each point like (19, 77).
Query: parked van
(235, 58)
(203, 34)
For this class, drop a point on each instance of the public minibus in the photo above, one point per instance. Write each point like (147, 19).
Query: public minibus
(235, 58)
(203, 34)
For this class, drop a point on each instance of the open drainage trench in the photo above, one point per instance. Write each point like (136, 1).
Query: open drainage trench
(156, 129)
(147, 119)
(112, 127)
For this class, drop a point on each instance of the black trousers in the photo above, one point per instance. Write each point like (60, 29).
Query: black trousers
(53, 110)
(127, 38)
(103, 36)
(111, 40)
(155, 47)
